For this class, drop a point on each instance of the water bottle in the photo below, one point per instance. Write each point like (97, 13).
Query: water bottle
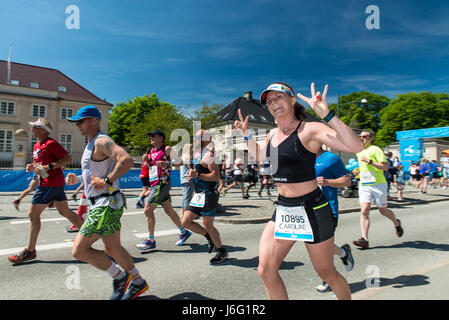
(42, 172)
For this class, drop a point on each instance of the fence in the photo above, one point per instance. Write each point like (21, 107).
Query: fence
(18, 180)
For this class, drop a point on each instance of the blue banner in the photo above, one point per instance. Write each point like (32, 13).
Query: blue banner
(423, 133)
(411, 149)
(18, 180)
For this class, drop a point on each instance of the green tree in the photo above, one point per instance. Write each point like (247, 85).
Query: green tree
(131, 121)
(207, 115)
(359, 115)
(413, 111)
(126, 114)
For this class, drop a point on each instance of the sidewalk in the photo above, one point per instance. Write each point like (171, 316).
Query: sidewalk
(234, 209)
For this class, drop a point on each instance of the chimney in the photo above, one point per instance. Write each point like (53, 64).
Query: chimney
(249, 95)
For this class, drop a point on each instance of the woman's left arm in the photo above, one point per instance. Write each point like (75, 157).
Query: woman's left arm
(338, 135)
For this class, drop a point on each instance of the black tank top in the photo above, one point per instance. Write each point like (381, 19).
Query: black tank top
(294, 162)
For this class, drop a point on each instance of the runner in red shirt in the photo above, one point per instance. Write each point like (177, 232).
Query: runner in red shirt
(145, 178)
(49, 156)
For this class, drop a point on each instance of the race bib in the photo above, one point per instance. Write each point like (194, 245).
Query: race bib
(154, 173)
(292, 223)
(198, 200)
(367, 177)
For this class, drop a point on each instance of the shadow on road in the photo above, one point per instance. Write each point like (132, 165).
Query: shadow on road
(194, 247)
(419, 244)
(398, 282)
(254, 262)
(180, 296)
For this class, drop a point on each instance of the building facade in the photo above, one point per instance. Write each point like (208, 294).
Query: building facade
(34, 92)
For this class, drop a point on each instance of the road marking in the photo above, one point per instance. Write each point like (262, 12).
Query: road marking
(69, 244)
(130, 213)
(158, 233)
(38, 248)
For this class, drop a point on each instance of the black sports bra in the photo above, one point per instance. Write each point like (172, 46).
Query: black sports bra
(290, 161)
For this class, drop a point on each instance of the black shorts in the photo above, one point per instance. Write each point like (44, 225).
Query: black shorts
(318, 211)
(145, 181)
(238, 178)
(159, 193)
(210, 205)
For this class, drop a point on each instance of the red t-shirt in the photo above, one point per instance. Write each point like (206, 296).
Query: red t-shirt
(46, 152)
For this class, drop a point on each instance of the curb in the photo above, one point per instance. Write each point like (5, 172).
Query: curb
(264, 220)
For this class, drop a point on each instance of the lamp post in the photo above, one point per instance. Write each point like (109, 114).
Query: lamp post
(362, 101)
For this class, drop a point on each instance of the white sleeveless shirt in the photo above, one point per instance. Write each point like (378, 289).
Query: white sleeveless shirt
(98, 169)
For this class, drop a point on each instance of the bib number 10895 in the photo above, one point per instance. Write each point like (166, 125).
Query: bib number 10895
(292, 223)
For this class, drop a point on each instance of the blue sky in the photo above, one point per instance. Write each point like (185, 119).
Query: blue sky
(190, 52)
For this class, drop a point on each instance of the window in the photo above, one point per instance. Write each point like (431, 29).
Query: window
(62, 89)
(7, 108)
(5, 141)
(14, 82)
(66, 113)
(38, 111)
(66, 141)
(33, 142)
(34, 85)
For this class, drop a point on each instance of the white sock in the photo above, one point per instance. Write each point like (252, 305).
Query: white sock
(343, 253)
(115, 272)
(137, 279)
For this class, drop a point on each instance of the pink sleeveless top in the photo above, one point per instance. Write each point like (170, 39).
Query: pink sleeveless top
(163, 174)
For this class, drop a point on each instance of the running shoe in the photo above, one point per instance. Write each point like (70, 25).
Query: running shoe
(139, 205)
(74, 197)
(362, 242)
(324, 287)
(399, 230)
(22, 256)
(224, 193)
(147, 244)
(16, 204)
(72, 228)
(219, 257)
(183, 238)
(348, 260)
(120, 285)
(135, 290)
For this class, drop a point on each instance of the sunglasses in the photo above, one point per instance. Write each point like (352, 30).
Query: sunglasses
(365, 137)
(80, 121)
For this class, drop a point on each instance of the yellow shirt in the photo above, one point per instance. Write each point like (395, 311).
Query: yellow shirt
(370, 175)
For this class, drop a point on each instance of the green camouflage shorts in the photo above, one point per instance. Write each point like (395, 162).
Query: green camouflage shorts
(103, 221)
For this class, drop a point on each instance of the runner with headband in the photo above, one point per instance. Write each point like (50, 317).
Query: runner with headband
(302, 212)
(205, 176)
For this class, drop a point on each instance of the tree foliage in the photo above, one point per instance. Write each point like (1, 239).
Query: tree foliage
(413, 111)
(207, 115)
(131, 121)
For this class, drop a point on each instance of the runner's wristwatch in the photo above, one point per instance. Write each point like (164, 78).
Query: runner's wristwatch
(108, 181)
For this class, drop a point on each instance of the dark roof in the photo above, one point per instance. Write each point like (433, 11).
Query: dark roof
(257, 112)
(48, 79)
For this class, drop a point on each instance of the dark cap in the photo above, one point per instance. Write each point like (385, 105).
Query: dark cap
(157, 133)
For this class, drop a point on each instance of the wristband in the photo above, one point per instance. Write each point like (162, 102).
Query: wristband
(370, 162)
(108, 181)
(80, 178)
(250, 136)
(50, 166)
(329, 116)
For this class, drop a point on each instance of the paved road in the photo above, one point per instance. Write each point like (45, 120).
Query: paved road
(412, 267)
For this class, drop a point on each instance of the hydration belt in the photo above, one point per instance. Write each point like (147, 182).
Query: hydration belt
(93, 199)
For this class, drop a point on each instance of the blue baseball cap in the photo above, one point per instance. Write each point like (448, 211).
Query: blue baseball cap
(86, 112)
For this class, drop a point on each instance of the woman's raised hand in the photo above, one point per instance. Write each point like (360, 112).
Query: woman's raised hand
(317, 102)
(242, 124)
